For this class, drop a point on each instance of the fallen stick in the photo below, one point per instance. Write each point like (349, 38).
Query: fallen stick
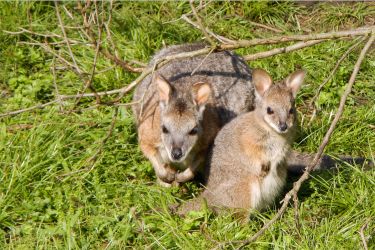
(342, 58)
(277, 51)
(280, 39)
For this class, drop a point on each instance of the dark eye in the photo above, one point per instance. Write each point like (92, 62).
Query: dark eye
(164, 129)
(269, 111)
(194, 131)
(291, 111)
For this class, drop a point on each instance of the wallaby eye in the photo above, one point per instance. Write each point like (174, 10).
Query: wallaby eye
(269, 111)
(194, 131)
(164, 129)
(291, 111)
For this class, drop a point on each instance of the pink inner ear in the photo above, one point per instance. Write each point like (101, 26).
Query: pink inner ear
(201, 92)
(261, 80)
(164, 88)
(295, 80)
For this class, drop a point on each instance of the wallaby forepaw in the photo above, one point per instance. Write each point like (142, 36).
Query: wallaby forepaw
(164, 184)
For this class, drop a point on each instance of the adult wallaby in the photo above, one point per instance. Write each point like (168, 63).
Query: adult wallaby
(247, 169)
(179, 113)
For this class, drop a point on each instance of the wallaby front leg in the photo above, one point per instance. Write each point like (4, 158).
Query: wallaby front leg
(185, 176)
(189, 173)
(163, 171)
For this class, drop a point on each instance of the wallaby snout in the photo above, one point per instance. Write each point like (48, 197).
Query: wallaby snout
(176, 153)
(283, 126)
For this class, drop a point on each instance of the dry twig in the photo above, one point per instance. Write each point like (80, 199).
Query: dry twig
(362, 234)
(200, 23)
(217, 37)
(342, 58)
(296, 212)
(277, 51)
(88, 83)
(57, 93)
(280, 39)
(66, 38)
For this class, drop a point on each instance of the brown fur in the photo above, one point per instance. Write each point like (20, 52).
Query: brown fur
(247, 167)
(174, 101)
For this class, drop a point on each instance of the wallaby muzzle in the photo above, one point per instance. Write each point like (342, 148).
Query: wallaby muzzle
(282, 126)
(176, 153)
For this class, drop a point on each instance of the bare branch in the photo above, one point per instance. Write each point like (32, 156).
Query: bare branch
(88, 83)
(47, 48)
(159, 63)
(218, 37)
(362, 234)
(200, 23)
(265, 26)
(342, 58)
(66, 38)
(123, 64)
(50, 35)
(57, 93)
(280, 39)
(54, 43)
(39, 106)
(23, 30)
(277, 51)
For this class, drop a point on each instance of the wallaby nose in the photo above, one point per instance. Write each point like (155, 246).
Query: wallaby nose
(176, 153)
(283, 126)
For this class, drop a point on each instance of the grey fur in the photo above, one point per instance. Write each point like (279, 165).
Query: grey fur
(228, 74)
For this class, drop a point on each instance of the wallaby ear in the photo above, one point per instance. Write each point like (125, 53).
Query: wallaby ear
(295, 80)
(262, 81)
(164, 88)
(201, 92)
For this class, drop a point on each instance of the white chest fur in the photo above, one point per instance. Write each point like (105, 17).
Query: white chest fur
(264, 192)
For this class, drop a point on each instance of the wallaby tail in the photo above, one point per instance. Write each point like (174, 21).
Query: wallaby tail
(297, 162)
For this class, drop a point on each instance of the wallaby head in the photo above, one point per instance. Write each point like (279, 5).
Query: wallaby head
(275, 102)
(181, 116)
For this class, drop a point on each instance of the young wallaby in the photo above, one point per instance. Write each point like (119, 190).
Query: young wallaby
(248, 162)
(182, 106)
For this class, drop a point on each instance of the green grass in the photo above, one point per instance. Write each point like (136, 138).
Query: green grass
(47, 198)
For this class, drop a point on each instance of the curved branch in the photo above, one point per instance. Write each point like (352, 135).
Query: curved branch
(280, 39)
(282, 50)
